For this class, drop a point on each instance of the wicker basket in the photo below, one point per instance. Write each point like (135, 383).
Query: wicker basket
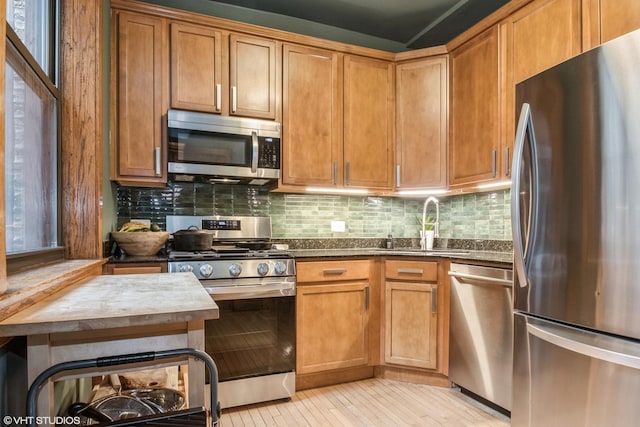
(142, 243)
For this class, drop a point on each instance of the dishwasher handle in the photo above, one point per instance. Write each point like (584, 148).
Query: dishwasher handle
(486, 279)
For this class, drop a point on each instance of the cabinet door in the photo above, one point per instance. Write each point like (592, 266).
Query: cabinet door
(618, 17)
(422, 123)
(536, 37)
(139, 99)
(196, 68)
(368, 123)
(252, 76)
(332, 329)
(411, 313)
(475, 111)
(311, 117)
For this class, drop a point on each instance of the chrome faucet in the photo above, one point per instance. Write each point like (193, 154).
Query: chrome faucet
(436, 224)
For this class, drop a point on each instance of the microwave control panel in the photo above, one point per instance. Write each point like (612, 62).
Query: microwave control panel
(269, 153)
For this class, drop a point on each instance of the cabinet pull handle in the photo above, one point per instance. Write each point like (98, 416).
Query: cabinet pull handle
(335, 271)
(234, 99)
(410, 271)
(434, 300)
(335, 172)
(506, 161)
(156, 160)
(348, 172)
(218, 96)
(398, 176)
(494, 155)
(366, 298)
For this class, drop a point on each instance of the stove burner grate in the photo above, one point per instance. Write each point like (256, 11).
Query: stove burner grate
(227, 254)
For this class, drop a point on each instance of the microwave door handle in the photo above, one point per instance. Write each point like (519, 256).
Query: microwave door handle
(254, 157)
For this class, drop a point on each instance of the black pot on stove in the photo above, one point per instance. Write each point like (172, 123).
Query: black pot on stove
(192, 239)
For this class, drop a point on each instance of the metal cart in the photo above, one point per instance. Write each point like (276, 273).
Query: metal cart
(196, 417)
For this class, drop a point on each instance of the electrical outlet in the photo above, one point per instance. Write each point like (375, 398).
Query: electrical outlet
(338, 226)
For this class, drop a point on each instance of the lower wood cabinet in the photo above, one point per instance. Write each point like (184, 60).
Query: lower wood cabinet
(333, 307)
(411, 313)
(333, 323)
(414, 314)
(359, 318)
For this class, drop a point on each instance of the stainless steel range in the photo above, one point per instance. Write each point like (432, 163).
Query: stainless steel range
(254, 285)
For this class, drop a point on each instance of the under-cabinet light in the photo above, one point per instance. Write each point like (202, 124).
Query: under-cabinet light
(433, 192)
(336, 190)
(498, 184)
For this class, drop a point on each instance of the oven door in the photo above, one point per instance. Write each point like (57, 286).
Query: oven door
(255, 333)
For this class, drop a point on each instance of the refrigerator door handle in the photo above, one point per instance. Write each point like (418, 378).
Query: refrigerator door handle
(599, 351)
(522, 233)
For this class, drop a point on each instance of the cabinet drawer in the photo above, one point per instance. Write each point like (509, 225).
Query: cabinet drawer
(135, 268)
(411, 270)
(327, 271)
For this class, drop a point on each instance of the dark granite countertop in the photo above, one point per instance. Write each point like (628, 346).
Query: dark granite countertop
(454, 249)
(470, 255)
(498, 251)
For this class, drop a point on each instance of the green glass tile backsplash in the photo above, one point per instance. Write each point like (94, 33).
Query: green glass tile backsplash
(469, 216)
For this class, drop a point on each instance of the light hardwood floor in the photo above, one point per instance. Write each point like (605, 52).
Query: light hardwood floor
(371, 402)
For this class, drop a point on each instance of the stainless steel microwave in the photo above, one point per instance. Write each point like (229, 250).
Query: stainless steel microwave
(222, 149)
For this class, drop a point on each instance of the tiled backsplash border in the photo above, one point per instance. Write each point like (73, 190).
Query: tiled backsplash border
(479, 216)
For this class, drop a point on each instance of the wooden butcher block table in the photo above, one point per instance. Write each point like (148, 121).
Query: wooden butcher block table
(115, 315)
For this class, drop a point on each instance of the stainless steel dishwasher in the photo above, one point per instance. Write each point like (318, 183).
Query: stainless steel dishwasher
(481, 332)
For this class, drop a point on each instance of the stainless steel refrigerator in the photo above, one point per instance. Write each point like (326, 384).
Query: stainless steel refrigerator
(575, 206)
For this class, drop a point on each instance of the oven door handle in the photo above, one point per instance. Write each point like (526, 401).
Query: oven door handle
(234, 292)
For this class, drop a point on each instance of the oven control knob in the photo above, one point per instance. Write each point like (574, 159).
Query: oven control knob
(235, 270)
(263, 268)
(186, 268)
(206, 270)
(280, 267)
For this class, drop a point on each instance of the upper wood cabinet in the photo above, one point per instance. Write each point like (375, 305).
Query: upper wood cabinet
(216, 72)
(536, 37)
(541, 35)
(196, 68)
(139, 99)
(338, 120)
(422, 123)
(613, 18)
(253, 76)
(311, 116)
(368, 123)
(474, 145)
